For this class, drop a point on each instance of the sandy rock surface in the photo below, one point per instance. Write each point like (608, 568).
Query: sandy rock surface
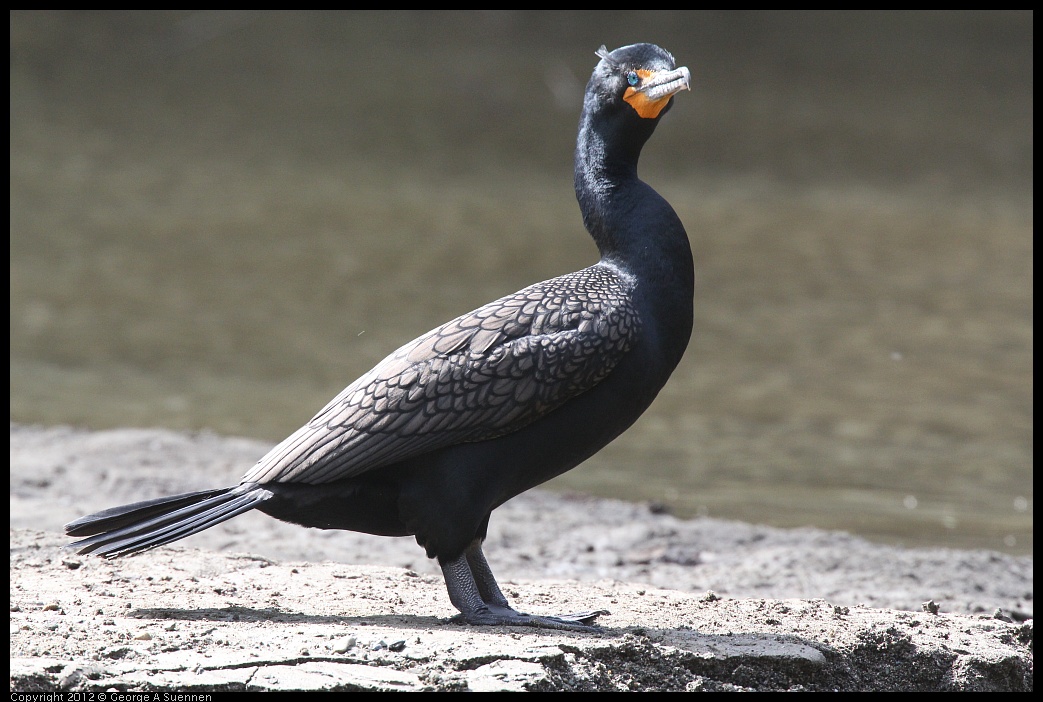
(694, 604)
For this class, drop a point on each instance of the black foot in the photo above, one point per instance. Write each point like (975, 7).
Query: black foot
(473, 591)
(505, 616)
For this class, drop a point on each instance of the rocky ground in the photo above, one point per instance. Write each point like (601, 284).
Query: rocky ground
(694, 604)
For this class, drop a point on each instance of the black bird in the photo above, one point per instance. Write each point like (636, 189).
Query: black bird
(496, 401)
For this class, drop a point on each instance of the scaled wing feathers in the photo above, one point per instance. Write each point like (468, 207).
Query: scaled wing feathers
(479, 376)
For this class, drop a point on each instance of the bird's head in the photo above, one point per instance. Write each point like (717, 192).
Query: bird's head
(642, 76)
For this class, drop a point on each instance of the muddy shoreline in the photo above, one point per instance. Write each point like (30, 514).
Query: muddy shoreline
(694, 604)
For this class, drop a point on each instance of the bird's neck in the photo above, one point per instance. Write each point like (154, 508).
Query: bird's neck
(636, 231)
(633, 226)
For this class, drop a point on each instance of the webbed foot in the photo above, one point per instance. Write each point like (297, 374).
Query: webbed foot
(473, 591)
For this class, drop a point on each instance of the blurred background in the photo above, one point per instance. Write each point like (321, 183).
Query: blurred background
(221, 218)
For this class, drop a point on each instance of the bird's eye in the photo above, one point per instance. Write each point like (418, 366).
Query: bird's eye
(633, 79)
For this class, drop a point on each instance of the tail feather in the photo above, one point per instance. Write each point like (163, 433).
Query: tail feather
(117, 517)
(141, 526)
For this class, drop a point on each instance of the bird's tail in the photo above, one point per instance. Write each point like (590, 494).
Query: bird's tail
(121, 531)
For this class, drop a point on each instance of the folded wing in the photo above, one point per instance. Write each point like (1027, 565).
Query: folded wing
(482, 375)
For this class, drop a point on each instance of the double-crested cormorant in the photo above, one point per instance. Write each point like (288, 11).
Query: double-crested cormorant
(494, 402)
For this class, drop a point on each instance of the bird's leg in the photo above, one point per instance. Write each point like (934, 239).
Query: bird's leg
(473, 590)
(463, 592)
(495, 599)
(483, 576)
